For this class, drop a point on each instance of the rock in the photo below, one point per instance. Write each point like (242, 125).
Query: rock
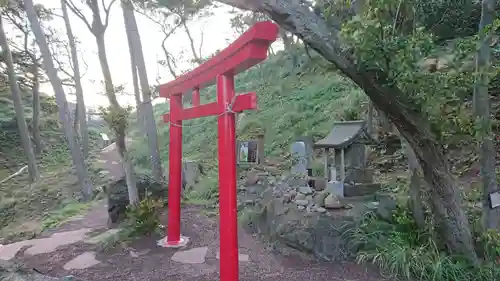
(300, 196)
(361, 189)
(309, 232)
(191, 173)
(287, 198)
(10, 271)
(319, 198)
(302, 202)
(307, 190)
(332, 202)
(252, 178)
(249, 202)
(386, 207)
(117, 195)
(320, 210)
(319, 184)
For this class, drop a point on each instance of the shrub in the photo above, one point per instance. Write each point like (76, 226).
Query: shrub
(144, 218)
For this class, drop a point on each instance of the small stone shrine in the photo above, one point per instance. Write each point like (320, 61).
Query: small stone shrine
(250, 151)
(346, 143)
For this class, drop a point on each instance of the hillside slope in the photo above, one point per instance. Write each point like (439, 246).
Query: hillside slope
(303, 100)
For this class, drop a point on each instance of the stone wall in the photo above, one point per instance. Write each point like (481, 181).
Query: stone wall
(284, 209)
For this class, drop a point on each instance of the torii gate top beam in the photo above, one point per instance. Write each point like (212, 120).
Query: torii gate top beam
(248, 50)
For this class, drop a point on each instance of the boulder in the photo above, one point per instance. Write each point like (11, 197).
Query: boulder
(307, 190)
(10, 271)
(191, 173)
(117, 195)
(362, 189)
(332, 201)
(319, 198)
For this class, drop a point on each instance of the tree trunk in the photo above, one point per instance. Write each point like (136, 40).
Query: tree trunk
(80, 101)
(482, 109)
(18, 106)
(369, 119)
(147, 108)
(115, 106)
(416, 200)
(37, 138)
(64, 115)
(137, 93)
(135, 82)
(387, 98)
(103, 61)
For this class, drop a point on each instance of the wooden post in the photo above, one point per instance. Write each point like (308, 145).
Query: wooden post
(327, 166)
(342, 166)
(260, 149)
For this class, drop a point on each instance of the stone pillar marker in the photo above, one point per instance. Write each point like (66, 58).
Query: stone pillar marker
(299, 158)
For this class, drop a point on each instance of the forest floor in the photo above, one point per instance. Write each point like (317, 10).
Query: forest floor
(74, 248)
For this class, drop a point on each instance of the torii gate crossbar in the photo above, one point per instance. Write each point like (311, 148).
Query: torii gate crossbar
(248, 50)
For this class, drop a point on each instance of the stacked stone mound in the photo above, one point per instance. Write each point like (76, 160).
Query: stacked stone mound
(10, 271)
(285, 209)
(117, 195)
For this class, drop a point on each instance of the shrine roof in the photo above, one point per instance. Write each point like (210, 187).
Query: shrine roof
(345, 133)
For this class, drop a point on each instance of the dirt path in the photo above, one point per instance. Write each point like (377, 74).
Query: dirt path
(71, 250)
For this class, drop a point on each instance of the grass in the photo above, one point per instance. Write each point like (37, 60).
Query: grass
(60, 216)
(27, 209)
(401, 250)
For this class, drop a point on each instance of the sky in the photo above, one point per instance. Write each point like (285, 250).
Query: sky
(217, 34)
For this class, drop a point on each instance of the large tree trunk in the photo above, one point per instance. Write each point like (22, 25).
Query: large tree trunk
(37, 138)
(416, 194)
(147, 108)
(80, 101)
(137, 92)
(98, 31)
(135, 82)
(482, 109)
(387, 98)
(64, 115)
(18, 106)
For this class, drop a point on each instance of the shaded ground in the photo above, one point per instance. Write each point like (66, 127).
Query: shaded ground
(69, 250)
(144, 260)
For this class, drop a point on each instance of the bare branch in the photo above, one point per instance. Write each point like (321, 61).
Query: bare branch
(107, 12)
(201, 42)
(79, 14)
(85, 65)
(168, 59)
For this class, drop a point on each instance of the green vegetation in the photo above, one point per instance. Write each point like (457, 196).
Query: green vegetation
(57, 217)
(293, 101)
(403, 250)
(26, 209)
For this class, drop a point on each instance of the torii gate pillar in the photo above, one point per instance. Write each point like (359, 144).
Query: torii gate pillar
(248, 50)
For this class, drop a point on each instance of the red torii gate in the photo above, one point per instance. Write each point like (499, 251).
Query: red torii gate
(247, 51)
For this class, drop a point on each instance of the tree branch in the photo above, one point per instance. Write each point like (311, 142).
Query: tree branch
(79, 14)
(107, 12)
